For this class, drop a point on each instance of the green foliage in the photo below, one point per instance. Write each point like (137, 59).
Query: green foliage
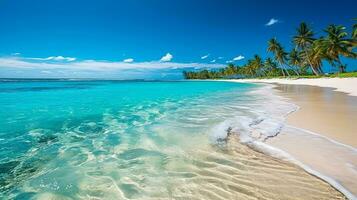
(303, 61)
(344, 75)
(336, 75)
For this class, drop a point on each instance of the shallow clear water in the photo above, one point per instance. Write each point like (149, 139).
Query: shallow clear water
(140, 140)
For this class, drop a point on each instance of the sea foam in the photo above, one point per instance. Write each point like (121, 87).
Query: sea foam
(265, 118)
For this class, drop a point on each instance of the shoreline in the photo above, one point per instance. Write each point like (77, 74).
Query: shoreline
(346, 85)
(315, 155)
(330, 113)
(316, 108)
(327, 156)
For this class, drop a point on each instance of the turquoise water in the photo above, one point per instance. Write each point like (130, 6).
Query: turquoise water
(144, 140)
(59, 137)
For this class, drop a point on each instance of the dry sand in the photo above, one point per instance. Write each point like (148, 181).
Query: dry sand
(347, 85)
(329, 113)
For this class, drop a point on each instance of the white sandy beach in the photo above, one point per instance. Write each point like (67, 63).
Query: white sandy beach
(321, 134)
(347, 85)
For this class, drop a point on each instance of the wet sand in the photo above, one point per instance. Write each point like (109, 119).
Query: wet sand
(235, 171)
(228, 171)
(322, 134)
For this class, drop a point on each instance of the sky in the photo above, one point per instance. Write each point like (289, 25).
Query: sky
(150, 39)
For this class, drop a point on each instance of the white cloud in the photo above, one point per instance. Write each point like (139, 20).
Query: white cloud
(237, 58)
(213, 61)
(128, 60)
(56, 58)
(16, 54)
(240, 57)
(271, 22)
(166, 58)
(95, 65)
(205, 56)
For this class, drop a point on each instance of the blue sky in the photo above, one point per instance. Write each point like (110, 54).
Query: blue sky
(127, 39)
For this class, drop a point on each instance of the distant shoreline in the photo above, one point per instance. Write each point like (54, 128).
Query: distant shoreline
(82, 79)
(346, 85)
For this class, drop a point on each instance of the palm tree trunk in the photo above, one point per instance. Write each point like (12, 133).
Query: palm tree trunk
(321, 71)
(315, 71)
(283, 68)
(312, 68)
(341, 67)
(287, 72)
(295, 70)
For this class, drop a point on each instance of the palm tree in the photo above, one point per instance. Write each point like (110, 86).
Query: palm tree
(303, 40)
(230, 70)
(354, 31)
(279, 54)
(316, 55)
(257, 64)
(295, 59)
(336, 44)
(354, 36)
(249, 68)
(271, 67)
(269, 64)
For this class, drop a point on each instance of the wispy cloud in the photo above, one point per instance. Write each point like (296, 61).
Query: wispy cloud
(240, 57)
(166, 58)
(128, 60)
(237, 58)
(22, 67)
(205, 56)
(272, 21)
(16, 54)
(213, 61)
(95, 65)
(220, 57)
(55, 58)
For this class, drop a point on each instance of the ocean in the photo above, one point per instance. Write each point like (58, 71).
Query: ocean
(103, 139)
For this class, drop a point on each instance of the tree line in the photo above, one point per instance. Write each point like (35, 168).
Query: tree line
(306, 57)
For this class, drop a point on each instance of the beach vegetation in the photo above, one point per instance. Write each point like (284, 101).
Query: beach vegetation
(305, 59)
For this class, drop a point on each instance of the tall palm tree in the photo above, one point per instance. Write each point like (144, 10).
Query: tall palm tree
(335, 44)
(279, 54)
(303, 40)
